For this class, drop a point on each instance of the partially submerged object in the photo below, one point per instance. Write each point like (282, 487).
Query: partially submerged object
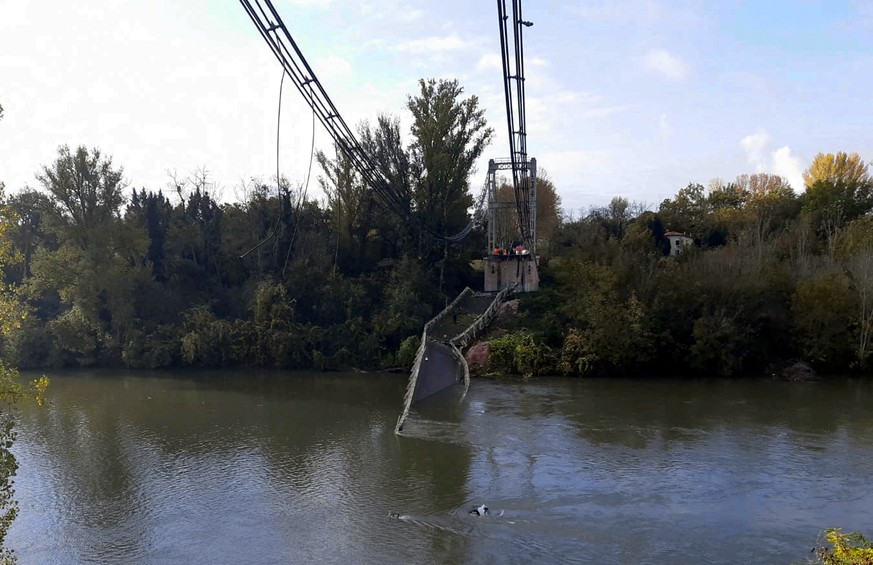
(480, 510)
(440, 363)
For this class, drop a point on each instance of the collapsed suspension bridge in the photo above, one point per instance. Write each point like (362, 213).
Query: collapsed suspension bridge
(439, 361)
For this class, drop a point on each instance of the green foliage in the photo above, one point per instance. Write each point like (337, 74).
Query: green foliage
(274, 280)
(821, 307)
(450, 134)
(688, 211)
(720, 343)
(519, 353)
(607, 331)
(404, 312)
(848, 549)
(11, 315)
(153, 350)
(77, 335)
(408, 349)
(11, 391)
(8, 467)
(207, 340)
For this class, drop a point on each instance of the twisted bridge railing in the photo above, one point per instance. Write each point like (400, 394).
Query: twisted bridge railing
(439, 377)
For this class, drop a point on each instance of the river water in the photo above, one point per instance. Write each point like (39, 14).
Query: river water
(305, 468)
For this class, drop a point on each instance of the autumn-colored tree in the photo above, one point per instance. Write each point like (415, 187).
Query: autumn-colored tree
(548, 213)
(838, 189)
(841, 167)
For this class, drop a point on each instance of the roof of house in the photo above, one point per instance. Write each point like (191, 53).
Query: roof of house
(676, 233)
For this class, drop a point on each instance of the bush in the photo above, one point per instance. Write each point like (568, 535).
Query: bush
(848, 549)
(407, 351)
(519, 353)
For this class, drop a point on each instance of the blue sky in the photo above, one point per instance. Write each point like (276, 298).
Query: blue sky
(625, 98)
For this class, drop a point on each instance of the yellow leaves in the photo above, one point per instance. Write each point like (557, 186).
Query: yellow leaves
(841, 167)
(849, 549)
(39, 387)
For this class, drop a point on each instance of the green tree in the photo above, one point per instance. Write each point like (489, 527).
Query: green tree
(88, 192)
(857, 251)
(449, 133)
(607, 332)
(821, 310)
(687, 211)
(9, 390)
(720, 343)
(354, 212)
(31, 233)
(99, 269)
(11, 314)
(384, 144)
(404, 312)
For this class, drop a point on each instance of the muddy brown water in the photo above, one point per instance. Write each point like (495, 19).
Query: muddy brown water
(235, 467)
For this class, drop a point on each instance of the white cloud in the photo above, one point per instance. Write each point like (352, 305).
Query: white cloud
(780, 162)
(664, 63)
(789, 166)
(433, 44)
(754, 144)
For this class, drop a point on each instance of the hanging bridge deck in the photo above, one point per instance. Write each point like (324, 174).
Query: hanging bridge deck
(439, 362)
(463, 315)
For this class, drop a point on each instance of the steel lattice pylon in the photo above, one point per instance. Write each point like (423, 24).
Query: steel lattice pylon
(497, 239)
(513, 85)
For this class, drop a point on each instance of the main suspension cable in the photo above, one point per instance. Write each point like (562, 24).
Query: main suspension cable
(271, 27)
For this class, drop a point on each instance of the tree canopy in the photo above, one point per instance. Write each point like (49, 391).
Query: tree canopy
(177, 277)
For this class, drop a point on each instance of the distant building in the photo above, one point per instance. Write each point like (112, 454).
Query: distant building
(677, 242)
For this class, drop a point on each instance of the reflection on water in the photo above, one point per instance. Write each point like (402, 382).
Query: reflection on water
(233, 467)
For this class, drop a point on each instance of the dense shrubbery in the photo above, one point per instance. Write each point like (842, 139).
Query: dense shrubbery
(519, 353)
(772, 276)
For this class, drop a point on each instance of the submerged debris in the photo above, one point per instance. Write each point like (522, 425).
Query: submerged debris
(796, 372)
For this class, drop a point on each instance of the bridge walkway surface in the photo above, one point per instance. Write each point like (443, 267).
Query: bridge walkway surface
(439, 361)
(462, 316)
